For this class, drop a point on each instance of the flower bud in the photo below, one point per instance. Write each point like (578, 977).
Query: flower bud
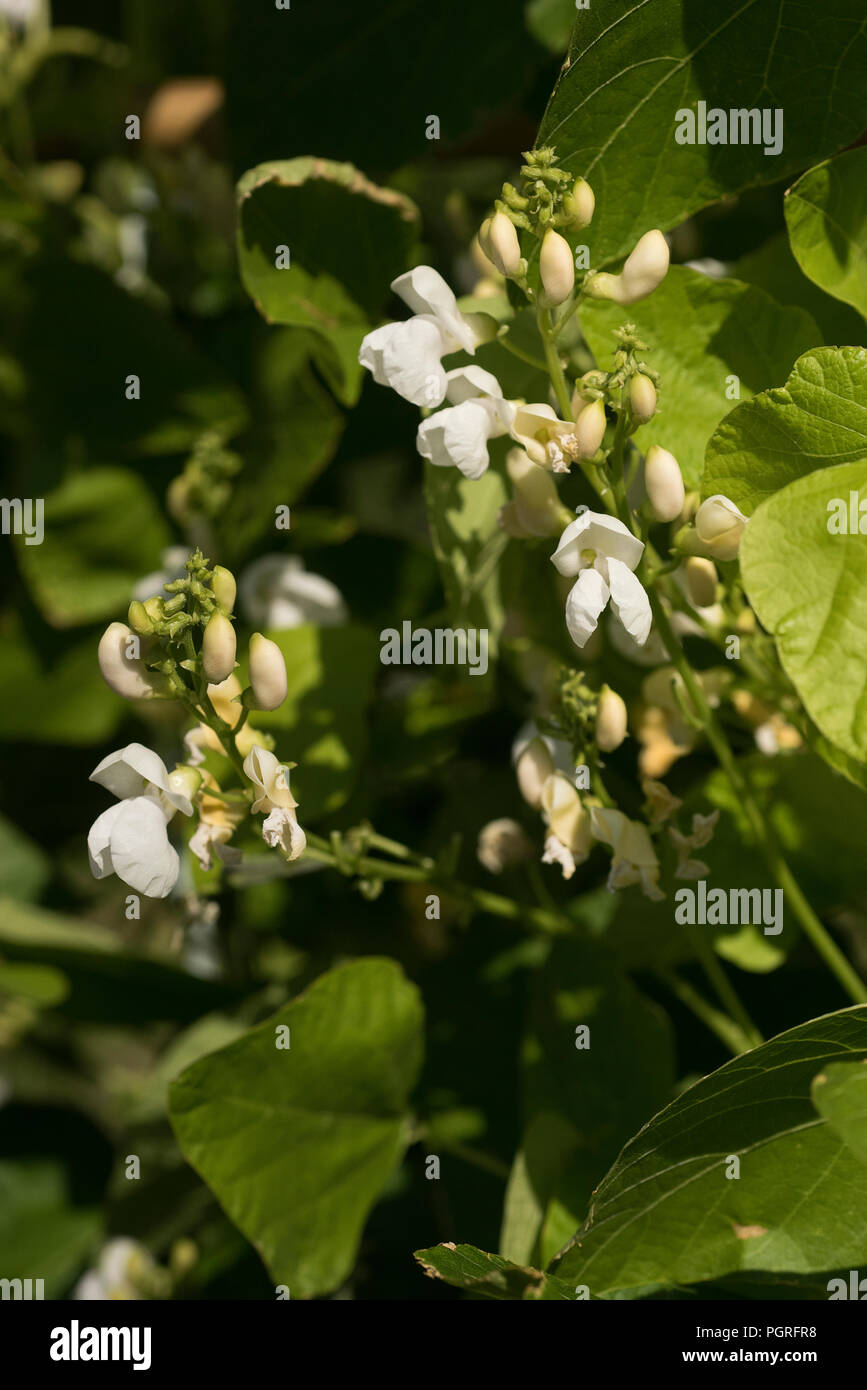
(590, 429)
(701, 580)
(642, 398)
(610, 720)
(140, 619)
(502, 844)
(644, 270)
(503, 246)
(566, 817)
(720, 525)
(185, 780)
(125, 673)
(533, 768)
(580, 204)
(224, 588)
(485, 237)
(268, 676)
(556, 268)
(218, 648)
(587, 389)
(535, 509)
(663, 482)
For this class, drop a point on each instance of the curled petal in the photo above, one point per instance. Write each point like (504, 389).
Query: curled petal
(406, 357)
(629, 601)
(130, 770)
(426, 292)
(281, 830)
(459, 436)
(130, 840)
(587, 598)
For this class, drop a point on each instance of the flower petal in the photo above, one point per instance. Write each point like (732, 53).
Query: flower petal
(458, 436)
(629, 600)
(426, 292)
(131, 770)
(281, 830)
(466, 383)
(600, 532)
(587, 598)
(140, 851)
(406, 357)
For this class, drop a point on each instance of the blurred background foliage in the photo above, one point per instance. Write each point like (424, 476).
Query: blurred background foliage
(118, 257)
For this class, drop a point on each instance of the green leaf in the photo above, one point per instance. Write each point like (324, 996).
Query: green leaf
(468, 544)
(774, 269)
(667, 1214)
(809, 588)
(490, 1276)
(613, 113)
(322, 724)
(62, 699)
(298, 1142)
(700, 333)
(826, 214)
(103, 531)
(840, 1095)
(550, 21)
(41, 985)
(818, 419)
(24, 867)
(335, 284)
(43, 1235)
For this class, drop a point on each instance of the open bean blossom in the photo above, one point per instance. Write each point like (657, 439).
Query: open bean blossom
(407, 355)
(603, 554)
(269, 776)
(131, 838)
(458, 436)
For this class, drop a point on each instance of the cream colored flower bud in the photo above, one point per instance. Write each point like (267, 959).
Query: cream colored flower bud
(532, 769)
(218, 648)
(580, 204)
(590, 429)
(485, 237)
(224, 588)
(701, 580)
(501, 844)
(720, 525)
(186, 780)
(587, 389)
(268, 676)
(663, 482)
(139, 618)
(121, 665)
(504, 247)
(556, 268)
(642, 398)
(644, 270)
(610, 720)
(566, 816)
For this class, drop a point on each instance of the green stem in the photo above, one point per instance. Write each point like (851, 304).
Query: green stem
(719, 1023)
(765, 838)
(725, 991)
(503, 340)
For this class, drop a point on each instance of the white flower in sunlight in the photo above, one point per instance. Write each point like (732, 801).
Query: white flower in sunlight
(603, 553)
(130, 839)
(407, 355)
(173, 565)
(633, 856)
(458, 436)
(122, 1267)
(270, 778)
(548, 440)
(277, 592)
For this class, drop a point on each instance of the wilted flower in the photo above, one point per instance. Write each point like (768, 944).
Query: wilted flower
(603, 553)
(270, 778)
(201, 738)
(634, 858)
(701, 835)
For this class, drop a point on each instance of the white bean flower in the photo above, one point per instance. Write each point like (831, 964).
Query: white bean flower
(407, 356)
(720, 526)
(123, 1271)
(458, 436)
(633, 856)
(131, 839)
(277, 592)
(548, 440)
(270, 778)
(603, 553)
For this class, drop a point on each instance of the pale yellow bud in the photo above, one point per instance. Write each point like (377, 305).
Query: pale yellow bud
(504, 247)
(701, 580)
(642, 398)
(218, 648)
(556, 268)
(644, 270)
(663, 482)
(532, 769)
(580, 204)
(268, 676)
(590, 429)
(485, 237)
(720, 525)
(566, 817)
(185, 780)
(224, 588)
(120, 662)
(610, 720)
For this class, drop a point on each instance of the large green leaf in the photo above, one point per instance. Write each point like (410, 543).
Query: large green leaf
(667, 1214)
(612, 116)
(334, 284)
(840, 1094)
(809, 588)
(819, 418)
(322, 724)
(43, 1234)
(700, 333)
(24, 867)
(774, 269)
(297, 1142)
(103, 531)
(490, 1276)
(826, 214)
